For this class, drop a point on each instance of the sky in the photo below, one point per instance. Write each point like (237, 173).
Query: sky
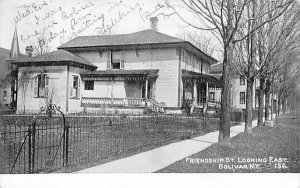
(59, 21)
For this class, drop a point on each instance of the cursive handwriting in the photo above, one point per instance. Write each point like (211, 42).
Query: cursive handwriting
(76, 10)
(28, 9)
(106, 28)
(115, 5)
(46, 16)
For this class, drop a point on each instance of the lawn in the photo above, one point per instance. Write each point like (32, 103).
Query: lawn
(267, 150)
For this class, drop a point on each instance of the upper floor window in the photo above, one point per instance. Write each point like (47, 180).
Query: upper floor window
(115, 59)
(89, 85)
(137, 53)
(75, 89)
(4, 95)
(242, 80)
(41, 83)
(100, 54)
(242, 97)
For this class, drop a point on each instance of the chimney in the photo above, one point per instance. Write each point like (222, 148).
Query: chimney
(29, 50)
(153, 23)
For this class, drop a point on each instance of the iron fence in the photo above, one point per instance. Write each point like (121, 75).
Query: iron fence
(40, 144)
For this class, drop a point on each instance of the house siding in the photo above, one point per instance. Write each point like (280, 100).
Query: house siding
(57, 84)
(164, 59)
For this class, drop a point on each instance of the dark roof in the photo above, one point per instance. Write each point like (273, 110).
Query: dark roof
(216, 69)
(120, 72)
(189, 75)
(55, 56)
(141, 37)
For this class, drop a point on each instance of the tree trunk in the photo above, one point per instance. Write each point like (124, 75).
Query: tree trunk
(267, 101)
(224, 131)
(272, 105)
(261, 102)
(249, 105)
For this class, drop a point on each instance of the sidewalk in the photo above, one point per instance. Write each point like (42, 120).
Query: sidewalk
(159, 158)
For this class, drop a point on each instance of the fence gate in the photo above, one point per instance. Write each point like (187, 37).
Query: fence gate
(37, 143)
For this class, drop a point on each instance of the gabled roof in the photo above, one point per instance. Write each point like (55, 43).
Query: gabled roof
(58, 56)
(142, 37)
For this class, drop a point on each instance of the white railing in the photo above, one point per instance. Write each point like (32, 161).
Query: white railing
(107, 101)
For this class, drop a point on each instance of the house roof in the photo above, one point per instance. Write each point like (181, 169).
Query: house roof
(142, 37)
(58, 56)
(189, 76)
(216, 69)
(145, 38)
(119, 73)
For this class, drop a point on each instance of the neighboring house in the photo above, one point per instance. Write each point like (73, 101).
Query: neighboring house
(8, 74)
(238, 88)
(128, 71)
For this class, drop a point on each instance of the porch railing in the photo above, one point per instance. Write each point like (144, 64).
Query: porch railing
(210, 103)
(117, 102)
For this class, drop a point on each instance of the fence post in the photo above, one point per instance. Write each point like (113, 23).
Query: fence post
(66, 142)
(33, 144)
(29, 148)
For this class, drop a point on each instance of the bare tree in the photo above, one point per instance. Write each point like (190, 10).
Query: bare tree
(223, 18)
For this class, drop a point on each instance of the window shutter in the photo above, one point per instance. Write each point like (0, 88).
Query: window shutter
(35, 87)
(122, 59)
(71, 92)
(78, 89)
(46, 86)
(109, 60)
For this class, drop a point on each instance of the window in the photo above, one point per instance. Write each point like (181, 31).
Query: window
(100, 54)
(242, 98)
(75, 89)
(115, 60)
(137, 53)
(4, 95)
(212, 96)
(178, 52)
(242, 80)
(41, 83)
(89, 85)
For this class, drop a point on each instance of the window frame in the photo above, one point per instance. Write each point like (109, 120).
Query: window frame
(242, 80)
(210, 94)
(40, 90)
(4, 96)
(75, 88)
(86, 88)
(242, 97)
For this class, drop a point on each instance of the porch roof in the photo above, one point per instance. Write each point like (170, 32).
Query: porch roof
(120, 74)
(58, 57)
(189, 76)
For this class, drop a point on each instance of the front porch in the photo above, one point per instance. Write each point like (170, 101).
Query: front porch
(120, 88)
(196, 89)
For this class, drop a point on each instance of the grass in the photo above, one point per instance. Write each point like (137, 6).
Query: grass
(267, 149)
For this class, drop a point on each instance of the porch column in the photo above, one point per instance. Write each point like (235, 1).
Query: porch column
(206, 91)
(146, 89)
(195, 91)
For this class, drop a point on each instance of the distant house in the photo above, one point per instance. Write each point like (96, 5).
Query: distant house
(238, 88)
(128, 71)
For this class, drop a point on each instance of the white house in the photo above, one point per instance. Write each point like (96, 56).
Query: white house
(128, 71)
